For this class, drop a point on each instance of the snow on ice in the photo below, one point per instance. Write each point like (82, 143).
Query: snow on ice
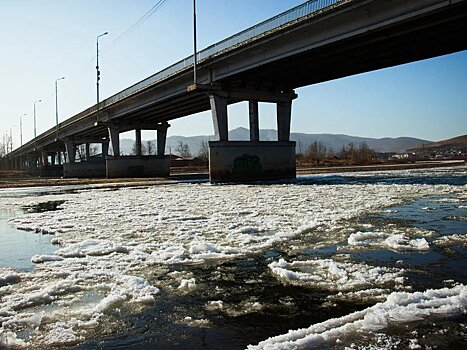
(399, 308)
(112, 242)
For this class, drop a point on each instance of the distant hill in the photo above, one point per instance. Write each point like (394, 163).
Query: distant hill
(336, 142)
(455, 143)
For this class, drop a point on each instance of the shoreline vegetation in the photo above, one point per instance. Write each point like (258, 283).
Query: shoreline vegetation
(15, 179)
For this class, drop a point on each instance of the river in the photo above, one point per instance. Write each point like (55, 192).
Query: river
(360, 260)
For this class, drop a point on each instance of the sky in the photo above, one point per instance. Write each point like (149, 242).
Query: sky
(43, 40)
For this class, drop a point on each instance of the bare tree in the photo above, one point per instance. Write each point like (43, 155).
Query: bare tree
(183, 150)
(134, 151)
(81, 151)
(150, 148)
(357, 155)
(203, 152)
(316, 152)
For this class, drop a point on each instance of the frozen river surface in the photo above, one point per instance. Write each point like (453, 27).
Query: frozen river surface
(358, 261)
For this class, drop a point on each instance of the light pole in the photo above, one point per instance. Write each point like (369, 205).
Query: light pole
(21, 128)
(98, 72)
(195, 59)
(35, 133)
(56, 102)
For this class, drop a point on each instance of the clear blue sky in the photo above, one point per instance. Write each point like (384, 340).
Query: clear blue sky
(42, 40)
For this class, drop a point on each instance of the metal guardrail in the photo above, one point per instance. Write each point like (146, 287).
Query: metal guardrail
(231, 42)
(275, 23)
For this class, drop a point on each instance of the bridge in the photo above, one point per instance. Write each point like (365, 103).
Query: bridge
(314, 42)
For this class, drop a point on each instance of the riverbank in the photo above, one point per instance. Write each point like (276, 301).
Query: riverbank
(18, 179)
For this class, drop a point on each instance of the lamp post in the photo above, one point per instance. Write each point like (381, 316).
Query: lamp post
(56, 102)
(195, 59)
(35, 133)
(98, 72)
(21, 128)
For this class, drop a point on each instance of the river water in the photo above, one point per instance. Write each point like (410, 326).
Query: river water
(359, 261)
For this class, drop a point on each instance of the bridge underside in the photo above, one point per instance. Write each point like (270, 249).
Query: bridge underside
(404, 41)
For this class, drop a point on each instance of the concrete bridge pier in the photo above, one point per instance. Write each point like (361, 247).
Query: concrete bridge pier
(47, 166)
(86, 165)
(138, 165)
(254, 160)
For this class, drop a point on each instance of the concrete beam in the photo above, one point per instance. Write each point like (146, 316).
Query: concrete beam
(127, 126)
(239, 94)
(79, 140)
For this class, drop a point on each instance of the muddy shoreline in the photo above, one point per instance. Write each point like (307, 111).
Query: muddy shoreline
(15, 180)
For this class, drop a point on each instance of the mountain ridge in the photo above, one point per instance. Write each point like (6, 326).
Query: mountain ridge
(303, 140)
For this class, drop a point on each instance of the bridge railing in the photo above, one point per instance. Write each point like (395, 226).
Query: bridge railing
(247, 35)
(300, 12)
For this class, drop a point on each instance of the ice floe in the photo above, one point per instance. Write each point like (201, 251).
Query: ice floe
(397, 242)
(336, 276)
(399, 308)
(454, 239)
(8, 276)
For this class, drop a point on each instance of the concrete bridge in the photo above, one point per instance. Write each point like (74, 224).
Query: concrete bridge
(311, 43)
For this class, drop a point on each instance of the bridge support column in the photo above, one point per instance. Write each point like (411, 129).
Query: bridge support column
(138, 142)
(219, 117)
(45, 159)
(254, 160)
(254, 120)
(87, 152)
(138, 165)
(86, 167)
(284, 113)
(70, 151)
(161, 138)
(114, 134)
(105, 149)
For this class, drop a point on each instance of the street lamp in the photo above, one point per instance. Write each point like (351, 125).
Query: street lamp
(35, 133)
(195, 59)
(56, 102)
(98, 72)
(21, 128)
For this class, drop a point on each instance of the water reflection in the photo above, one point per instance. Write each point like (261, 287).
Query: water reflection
(17, 247)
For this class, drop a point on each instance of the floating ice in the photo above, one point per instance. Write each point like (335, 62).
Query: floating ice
(37, 259)
(449, 240)
(400, 307)
(187, 284)
(397, 242)
(112, 243)
(8, 276)
(336, 276)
